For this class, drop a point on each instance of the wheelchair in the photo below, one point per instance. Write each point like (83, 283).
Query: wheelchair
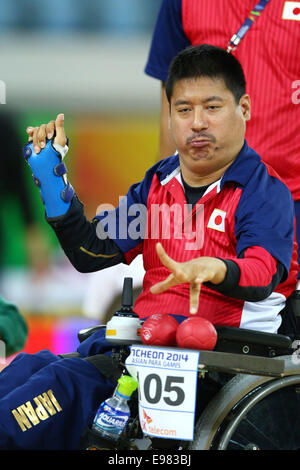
(251, 395)
(258, 408)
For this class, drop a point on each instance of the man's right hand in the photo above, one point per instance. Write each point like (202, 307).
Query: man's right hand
(44, 154)
(39, 135)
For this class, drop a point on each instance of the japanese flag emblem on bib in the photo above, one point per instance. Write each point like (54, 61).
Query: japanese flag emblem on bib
(291, 11)
(217, 220)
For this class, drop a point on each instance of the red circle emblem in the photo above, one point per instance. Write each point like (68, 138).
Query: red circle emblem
(218, 220)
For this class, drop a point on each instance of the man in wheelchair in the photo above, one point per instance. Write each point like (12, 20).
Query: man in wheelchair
(215, 226)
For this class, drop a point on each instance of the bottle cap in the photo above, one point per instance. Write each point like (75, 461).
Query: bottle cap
(127, 385)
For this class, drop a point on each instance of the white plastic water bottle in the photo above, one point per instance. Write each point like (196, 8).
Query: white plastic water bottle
(113, 414)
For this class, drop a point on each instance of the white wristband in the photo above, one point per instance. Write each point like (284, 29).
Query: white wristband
(61, 150)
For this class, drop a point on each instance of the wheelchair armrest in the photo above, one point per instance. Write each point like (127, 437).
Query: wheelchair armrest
(241, 340)
(87, 332)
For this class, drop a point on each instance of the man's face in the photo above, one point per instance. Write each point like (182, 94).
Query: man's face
(207, 126)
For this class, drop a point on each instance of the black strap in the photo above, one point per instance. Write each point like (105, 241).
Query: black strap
(290, 325)
(106, 366)
(65, 356)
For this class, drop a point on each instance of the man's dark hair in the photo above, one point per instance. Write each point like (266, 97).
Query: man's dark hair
(207, 61)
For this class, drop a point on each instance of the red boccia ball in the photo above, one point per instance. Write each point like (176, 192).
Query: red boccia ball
(159, 330)
(196, 333)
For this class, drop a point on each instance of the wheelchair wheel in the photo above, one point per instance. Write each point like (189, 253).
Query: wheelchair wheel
(252, 412)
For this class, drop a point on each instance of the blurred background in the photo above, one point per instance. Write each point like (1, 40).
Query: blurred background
(85, 59)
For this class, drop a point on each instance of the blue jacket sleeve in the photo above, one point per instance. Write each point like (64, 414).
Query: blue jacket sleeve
(53, 407)
(168, 39)
(265, 218)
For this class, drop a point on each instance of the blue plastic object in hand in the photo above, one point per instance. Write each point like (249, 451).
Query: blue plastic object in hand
(49, 174)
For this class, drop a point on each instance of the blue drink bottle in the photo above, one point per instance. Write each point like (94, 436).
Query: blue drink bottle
(113, 414)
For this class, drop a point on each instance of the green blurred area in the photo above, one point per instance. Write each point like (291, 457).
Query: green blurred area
(13, 225)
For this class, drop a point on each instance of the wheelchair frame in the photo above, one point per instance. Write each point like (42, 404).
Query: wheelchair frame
(271, 366)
